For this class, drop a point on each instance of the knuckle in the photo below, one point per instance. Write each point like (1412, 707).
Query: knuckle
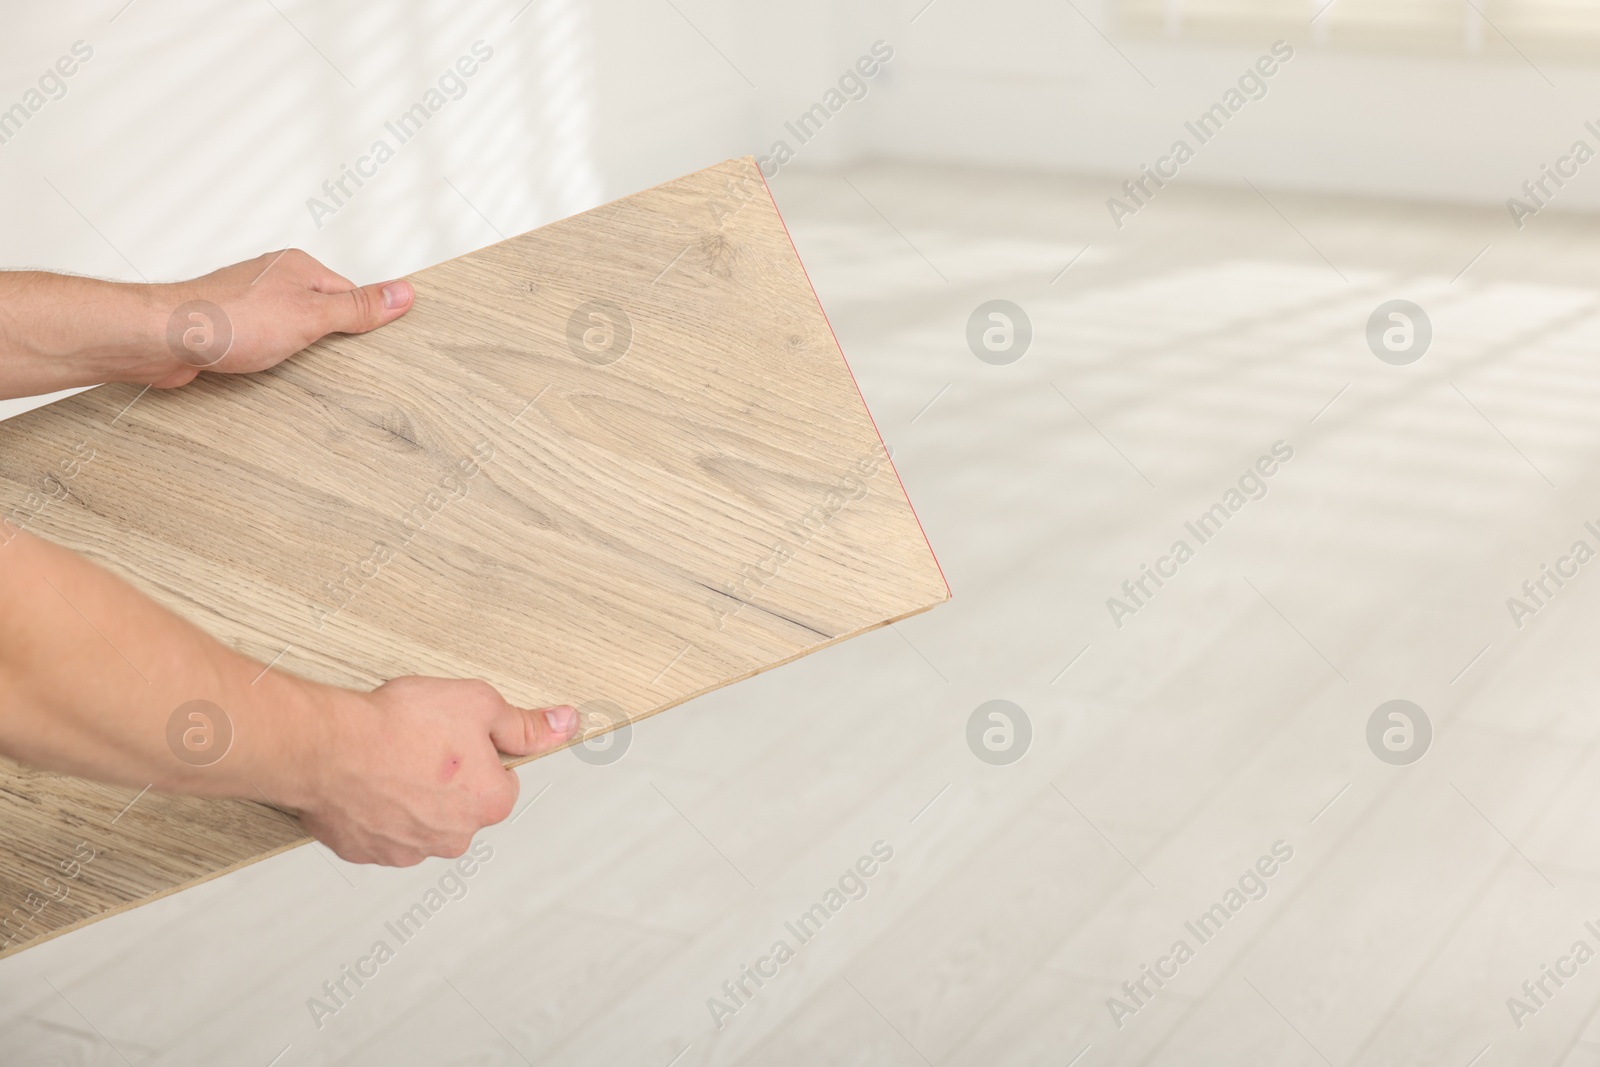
(364, 307)
(351, 853)
(482, 694)
(406, 683)
(499, 808)
(291, 261)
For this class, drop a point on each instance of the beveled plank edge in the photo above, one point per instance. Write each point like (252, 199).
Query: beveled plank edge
(130, 905)
(838, 347)
(241, 864)
(829, 643)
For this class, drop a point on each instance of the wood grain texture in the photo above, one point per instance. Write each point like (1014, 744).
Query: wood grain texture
(618, 461)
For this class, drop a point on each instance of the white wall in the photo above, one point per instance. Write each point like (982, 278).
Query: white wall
(1021, 83)
(199, 129)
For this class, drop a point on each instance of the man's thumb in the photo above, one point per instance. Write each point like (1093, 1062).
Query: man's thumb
(369, 306)
(519, 732)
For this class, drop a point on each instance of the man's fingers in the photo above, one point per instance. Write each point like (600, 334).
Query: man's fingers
(500, 802)
(367, 307)
(519, 732)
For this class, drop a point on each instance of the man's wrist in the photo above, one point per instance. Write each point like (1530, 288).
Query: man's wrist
(295, 736)
(103, 331)
(143, 354)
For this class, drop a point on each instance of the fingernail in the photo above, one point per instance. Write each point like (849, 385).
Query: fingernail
(561, 719)
(396, 294)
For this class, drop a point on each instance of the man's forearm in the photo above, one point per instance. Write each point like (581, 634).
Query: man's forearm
(59, 331)
(92, 672)
(99, 681)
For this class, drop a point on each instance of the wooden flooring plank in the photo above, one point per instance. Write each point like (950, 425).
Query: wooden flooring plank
(618, 460)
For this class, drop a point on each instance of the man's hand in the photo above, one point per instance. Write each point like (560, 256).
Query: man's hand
(272, 307)
(407, 771)
(414, 769)
(59, 332)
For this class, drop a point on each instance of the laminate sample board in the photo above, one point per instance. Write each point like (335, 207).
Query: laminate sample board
(616, 462)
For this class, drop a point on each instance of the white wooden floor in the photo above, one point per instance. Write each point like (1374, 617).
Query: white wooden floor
(1229, 715)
